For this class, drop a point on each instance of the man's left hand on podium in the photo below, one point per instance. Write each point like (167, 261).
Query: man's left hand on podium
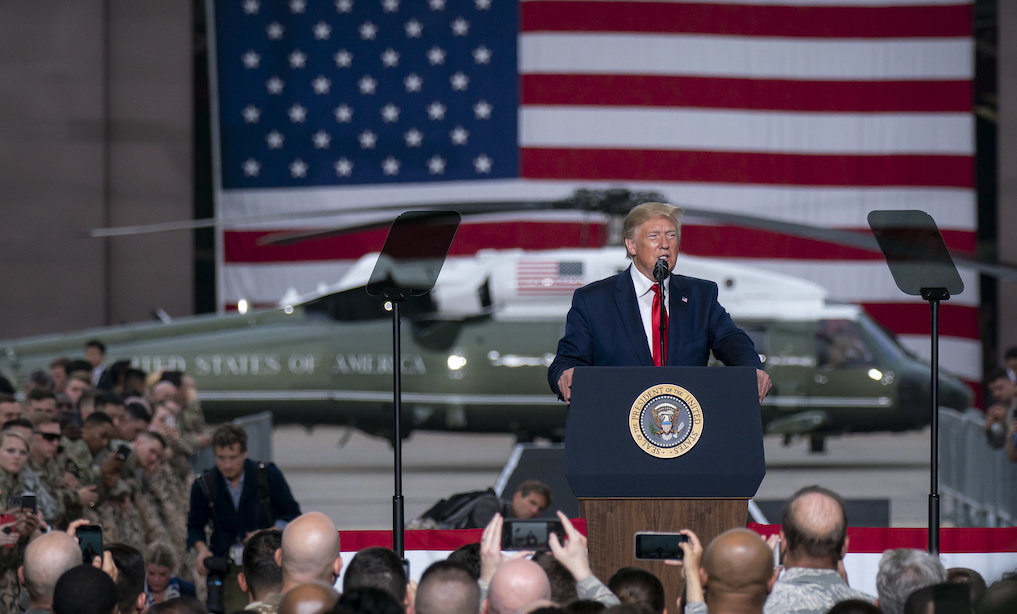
(764, 383)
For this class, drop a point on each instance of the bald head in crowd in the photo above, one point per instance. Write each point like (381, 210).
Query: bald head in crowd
(310, 598)
(447, 587)
(737, 572)
(516, 584)
(310, 551)
(814, 529)
(46, 559)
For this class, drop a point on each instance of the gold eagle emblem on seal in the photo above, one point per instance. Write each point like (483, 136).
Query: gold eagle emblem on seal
(666, 421)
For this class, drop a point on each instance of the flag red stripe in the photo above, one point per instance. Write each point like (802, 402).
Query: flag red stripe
(760, 94)
(915, 318)
(241, 246)
(748, 20)
(738, 242)
(697, 240)
(747, 167)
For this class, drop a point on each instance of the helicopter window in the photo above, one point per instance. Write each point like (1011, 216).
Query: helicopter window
(839, 345)
(357, 305)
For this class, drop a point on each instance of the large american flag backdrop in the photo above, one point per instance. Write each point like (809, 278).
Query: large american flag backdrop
(812, 111)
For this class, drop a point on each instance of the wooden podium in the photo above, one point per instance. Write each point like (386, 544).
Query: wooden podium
(629, 479)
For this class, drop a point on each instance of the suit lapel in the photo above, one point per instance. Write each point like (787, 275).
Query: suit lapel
(677, 311)
(628, 311)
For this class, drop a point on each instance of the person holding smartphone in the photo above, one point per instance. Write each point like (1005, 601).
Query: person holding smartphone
(16, 524)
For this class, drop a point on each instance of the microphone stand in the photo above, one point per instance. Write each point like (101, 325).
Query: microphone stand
(660, 273)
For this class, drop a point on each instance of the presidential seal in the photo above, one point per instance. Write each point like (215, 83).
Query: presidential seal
(666, 421)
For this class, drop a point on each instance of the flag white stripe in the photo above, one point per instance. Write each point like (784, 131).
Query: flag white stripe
(952, 208)
(746, 57)
(746, 131)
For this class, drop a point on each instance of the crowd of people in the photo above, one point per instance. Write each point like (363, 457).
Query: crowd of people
(94, 449)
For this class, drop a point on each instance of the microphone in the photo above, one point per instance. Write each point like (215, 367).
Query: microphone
(660, 270)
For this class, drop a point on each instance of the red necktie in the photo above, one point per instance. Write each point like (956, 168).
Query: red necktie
(656, 315)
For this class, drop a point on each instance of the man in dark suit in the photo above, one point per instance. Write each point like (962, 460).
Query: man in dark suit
(611, 321)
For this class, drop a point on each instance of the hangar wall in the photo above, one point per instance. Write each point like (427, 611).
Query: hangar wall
(95, 130)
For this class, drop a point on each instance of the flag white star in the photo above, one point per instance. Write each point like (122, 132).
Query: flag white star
(321, 139)
(275, 30)
(390, 113)
(343, 114)
(251, 7)
(322, 31)
(298, 59)
(436, 5)
(390, 6)
(343, 167)
(482, 55)
(436, 165)
(459, 81)
(483, 5)
(413, 28)
(297, 6)
(436, 55)
(482, 110)
(413, 82)
(460, 27)
(251, 59)
(251, 114)
(390, 166)
(297, 113)
(367, 139)
(321, 85)
(413, 137)
(459, 135)
(251, 167)
(298, 169)
(482, 164)
(274, 85)
(344, 6)
(390, 58)
(368, 31)
(274, 139)
(436, 110)
(343, 59)
(367, 85)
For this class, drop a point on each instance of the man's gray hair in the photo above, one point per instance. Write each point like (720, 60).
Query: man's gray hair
(903, 571)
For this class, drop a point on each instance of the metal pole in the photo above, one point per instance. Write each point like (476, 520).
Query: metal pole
(397, 440)
(934, 480)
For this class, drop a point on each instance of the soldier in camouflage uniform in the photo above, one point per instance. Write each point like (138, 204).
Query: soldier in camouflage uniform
(14, 450)
(60, 484)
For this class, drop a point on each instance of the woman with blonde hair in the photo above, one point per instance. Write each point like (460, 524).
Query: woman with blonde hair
(161, 582)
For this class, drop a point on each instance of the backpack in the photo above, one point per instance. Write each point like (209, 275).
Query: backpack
(453, 512)
(207, 477)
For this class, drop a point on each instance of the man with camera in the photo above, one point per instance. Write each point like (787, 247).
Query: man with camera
(239, 497)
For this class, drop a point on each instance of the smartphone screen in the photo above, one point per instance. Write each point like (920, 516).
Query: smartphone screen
(660, 546)
(529, 534)
(90, 542)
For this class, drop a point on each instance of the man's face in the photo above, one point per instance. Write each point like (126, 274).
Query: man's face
(75, 388)
(117, 413)
(149, 453)
(46, 441)
(131, 428)
(49, 406)
(229, 461)
(97, 436)
(528, 506)
(9, 411)
(59, 377)
(653, 239)
(1002, 389)
(94, 356)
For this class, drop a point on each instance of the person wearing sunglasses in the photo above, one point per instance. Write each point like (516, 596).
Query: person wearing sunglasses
(46, 438)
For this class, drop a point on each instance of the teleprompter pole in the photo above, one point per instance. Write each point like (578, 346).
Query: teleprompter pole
(934, 296)
(398, 526)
